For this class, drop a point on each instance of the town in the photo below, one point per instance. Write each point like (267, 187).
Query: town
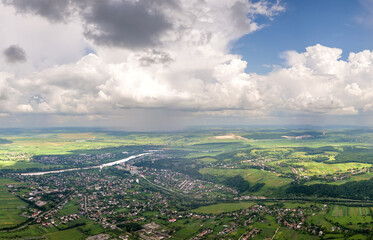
(126, 194)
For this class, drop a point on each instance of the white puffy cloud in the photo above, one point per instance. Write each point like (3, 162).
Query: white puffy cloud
(9, 95)
(189, 68)
(184, 67)
(92, 86)
(318, 81)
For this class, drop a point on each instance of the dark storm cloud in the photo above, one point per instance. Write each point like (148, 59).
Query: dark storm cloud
(123, 23)
(14, 54)
(118, 23)
(53, 10)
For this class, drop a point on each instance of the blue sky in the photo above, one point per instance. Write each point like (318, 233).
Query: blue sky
(333, 23)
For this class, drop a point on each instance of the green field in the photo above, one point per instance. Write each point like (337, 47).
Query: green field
(37, 232)
(349, 216)
(341, 211)
(359, 177)
(251, 175)
(73, 234)
(70, 208)
(207, 160)
(10, 206)
(285, 234)
(188, 229)
(223, 207)
(315, 168)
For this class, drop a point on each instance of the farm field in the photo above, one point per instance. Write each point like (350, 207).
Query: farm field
(10, 206)
(284, 234)
(251, 175)
(188, 229)
(353, 217)
(70, 208)
(223, 207)
(35, 231)
(359, 177)
(73, 234)
(314, 168)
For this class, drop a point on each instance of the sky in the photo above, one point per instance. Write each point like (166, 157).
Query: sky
(159, 65)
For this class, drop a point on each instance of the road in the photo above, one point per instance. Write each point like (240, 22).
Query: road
(85, 203)
(274, 235)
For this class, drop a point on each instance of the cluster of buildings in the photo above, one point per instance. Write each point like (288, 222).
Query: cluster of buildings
(251, 234)
(153, 231)
(185, 184)
(113, 196)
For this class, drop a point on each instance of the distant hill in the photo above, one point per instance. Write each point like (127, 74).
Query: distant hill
(4, 141)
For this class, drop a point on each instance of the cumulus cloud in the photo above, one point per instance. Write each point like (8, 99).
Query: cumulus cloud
(139, 24)
(91, 86)
(9, 95)
(120, 23)
(318, 81)
(186, 67)
(14, 54)
(54, 10)
(183, 64)
(123, 23)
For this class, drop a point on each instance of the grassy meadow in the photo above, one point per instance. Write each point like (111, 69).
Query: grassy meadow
(223, 207)
(251, 175)
(11, 206)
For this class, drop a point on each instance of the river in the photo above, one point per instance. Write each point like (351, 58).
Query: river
(91, 167)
